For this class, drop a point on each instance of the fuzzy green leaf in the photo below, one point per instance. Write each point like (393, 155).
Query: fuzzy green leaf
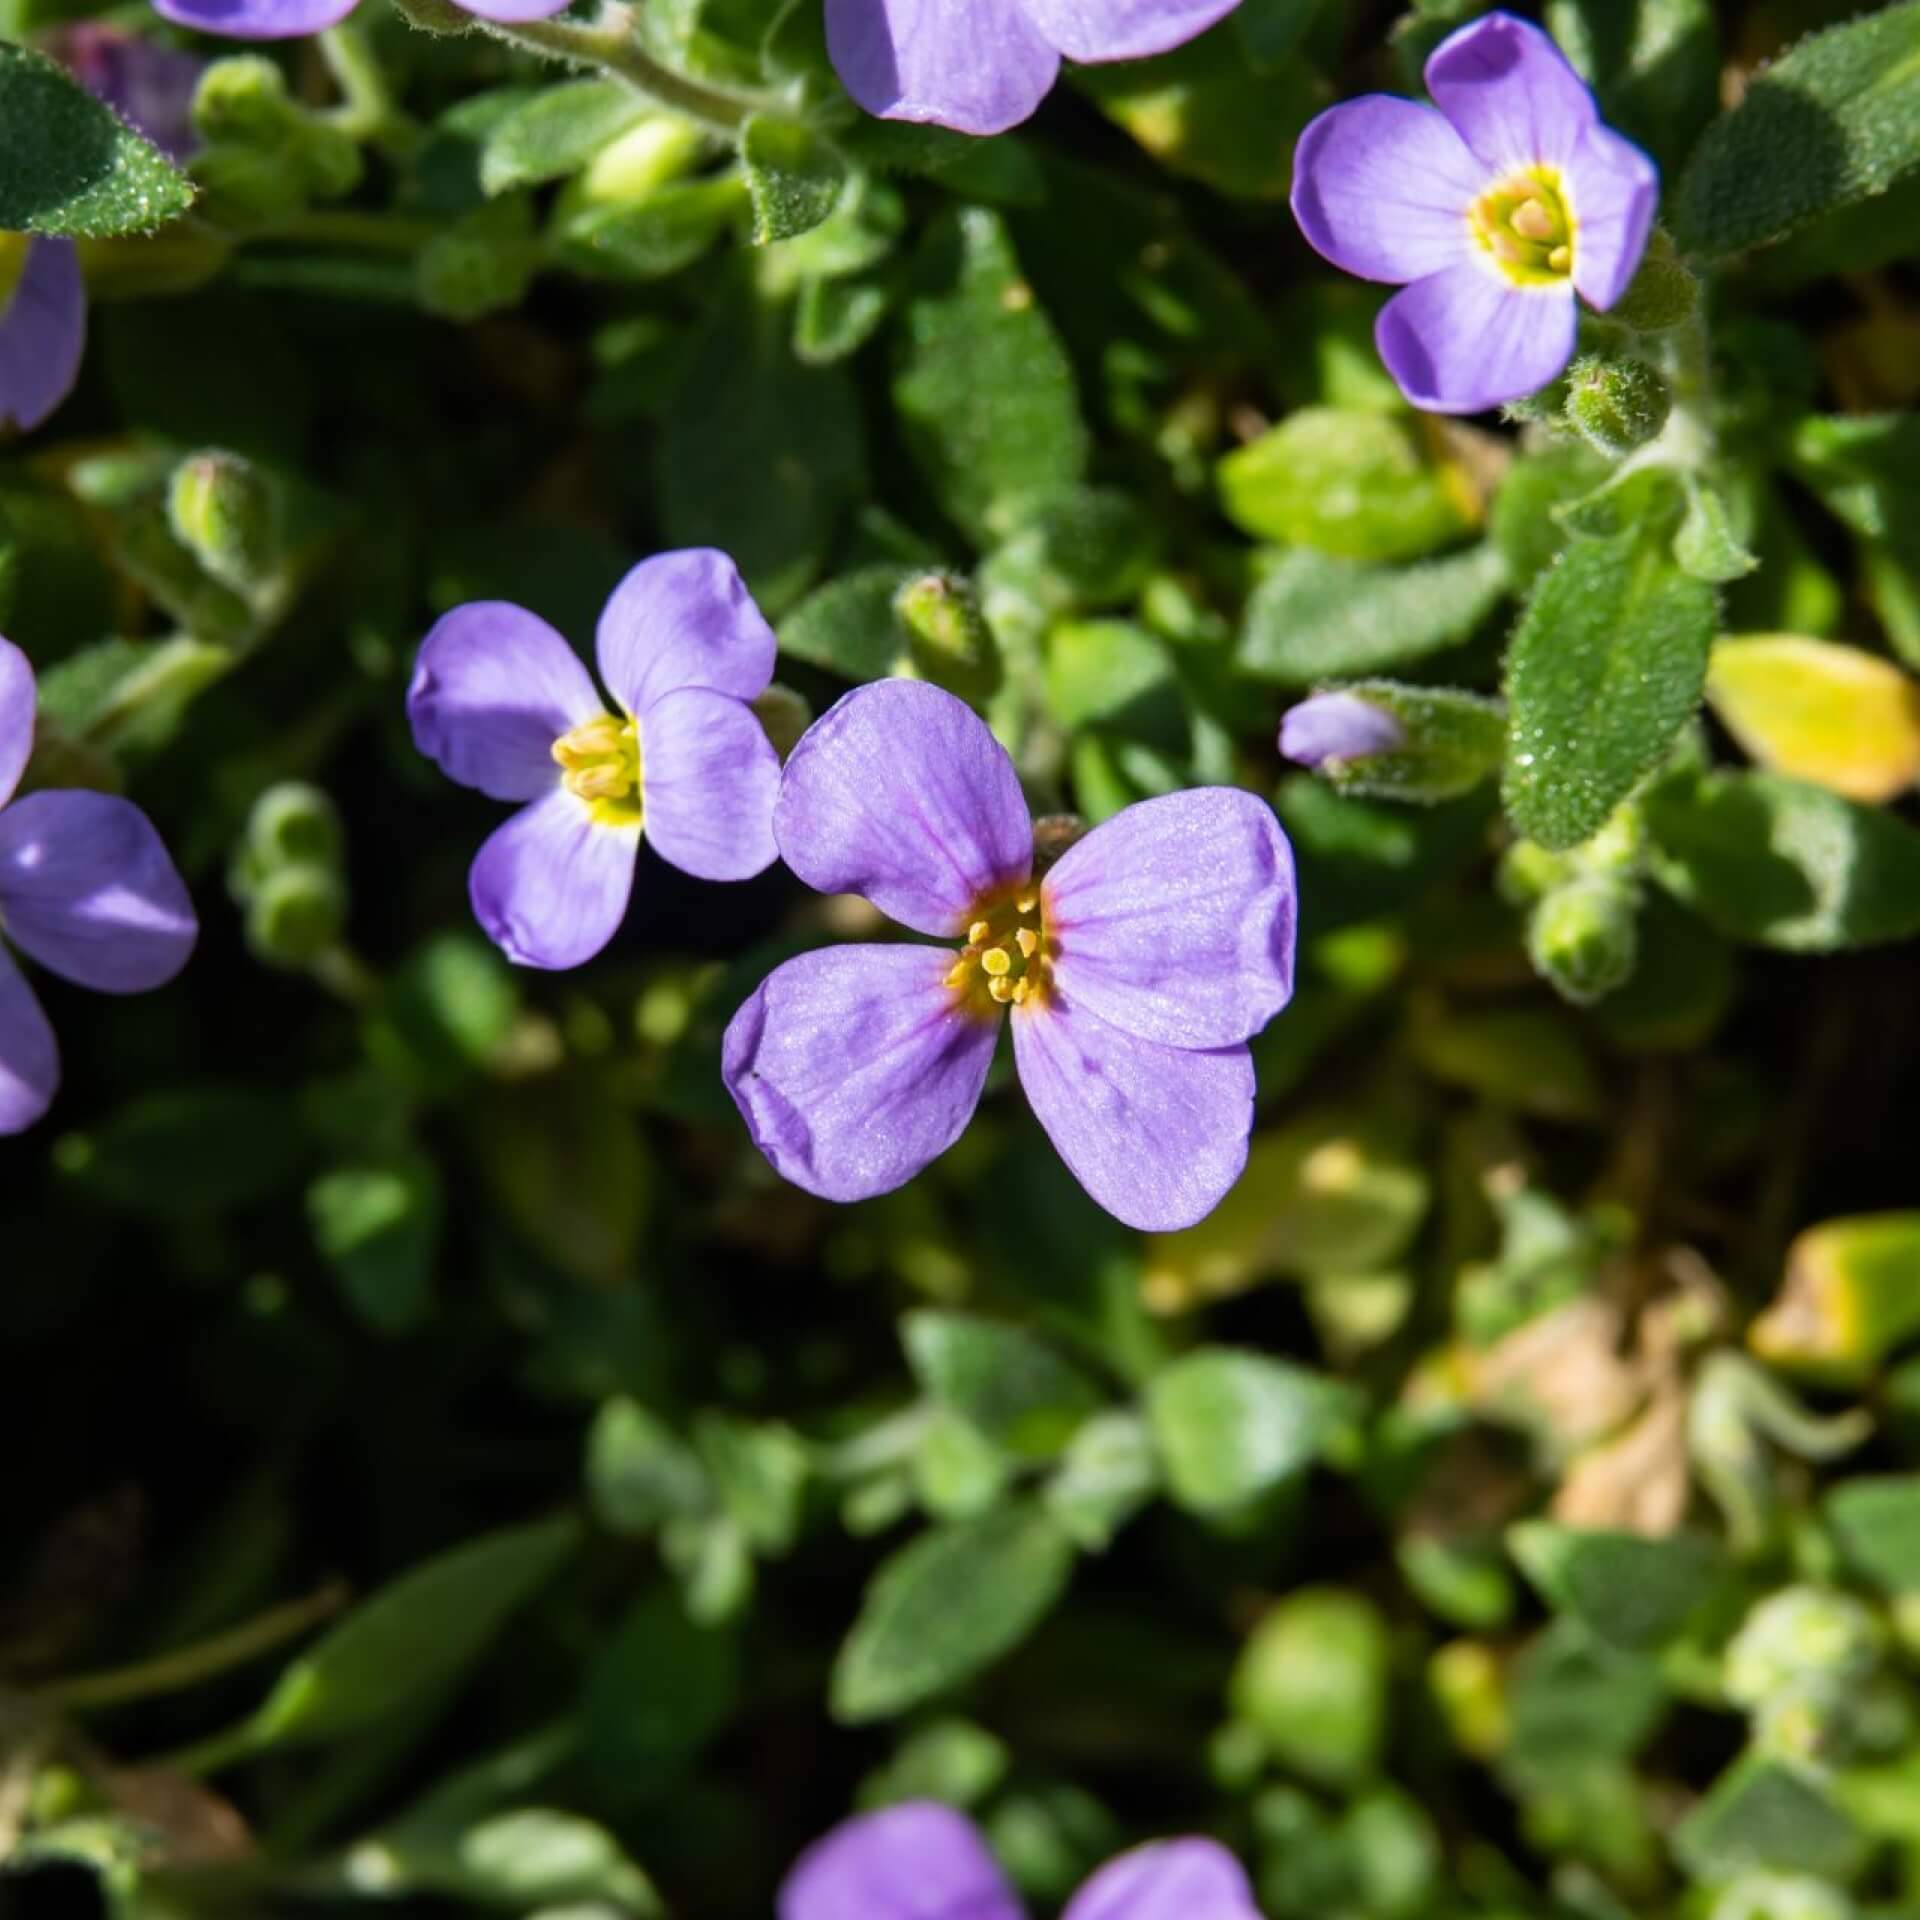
(557, 132)
(795, 177)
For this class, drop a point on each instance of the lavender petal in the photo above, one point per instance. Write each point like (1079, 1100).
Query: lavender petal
(1466, 339)
(684, 619)
(1338, 726)
(1172, 1880)
(1613, 190)
(915, 1861)
(29, 1055)
(1175, 919)
(493, 688)
(17, 702)
(511, 10)
(551, 886)
(255, 19)
(900, 793)
(1381, 187)
(1510, 93)
(1094, 30)
(88, 889)
(710, 778)
(43, 334)
(981, 67)
(854, 1067)
(1157, 1135)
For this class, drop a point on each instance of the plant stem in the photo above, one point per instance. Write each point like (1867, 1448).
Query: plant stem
(367, 111)
(188, 1666)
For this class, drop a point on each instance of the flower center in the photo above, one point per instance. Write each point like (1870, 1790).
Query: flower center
(14, 248)
(600, 762)
(1008, 957)
(1526, 228)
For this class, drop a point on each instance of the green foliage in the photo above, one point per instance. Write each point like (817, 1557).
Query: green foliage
(794, 177)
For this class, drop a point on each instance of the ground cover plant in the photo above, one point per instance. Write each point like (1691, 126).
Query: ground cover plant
(957, 960)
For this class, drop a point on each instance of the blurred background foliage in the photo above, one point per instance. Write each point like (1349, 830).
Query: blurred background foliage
(451, 1470)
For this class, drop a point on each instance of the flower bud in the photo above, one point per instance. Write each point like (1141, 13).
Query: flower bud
(1662, 294)
(481, 264)
(293, 823)
(1798, 1636)
(243, 98)
(948, 638)
(225, 512)
(1381, 737)
(1617, 405)
(785, 715)
(266, 154)
(1338, 726)
(1529, 872)
(661, 149)
(296, 914)
(1582, 939)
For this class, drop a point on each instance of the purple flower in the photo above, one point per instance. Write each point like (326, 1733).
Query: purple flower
(503, 704)
(923, 1861)
(1491, 211)
(149, 87)
(43, 326)
(1135, 969)
(1338, 726)
(289, 19)
(982, 66)
(86, 889)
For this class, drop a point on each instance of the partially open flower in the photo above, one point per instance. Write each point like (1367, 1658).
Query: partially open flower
(1338, 726)
(1493, 208)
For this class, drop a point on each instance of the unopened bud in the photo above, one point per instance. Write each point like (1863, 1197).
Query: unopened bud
(481, 264)
(1529, 872)
(1583, 939)
(266, 155)
(243, 98)
(1662, 294)
(296, 914)
(1797, 1635)
(1399, 742)
(1617, 405)
(785, 715)
(225, 512)
(663, 148)
(292, 823)
(947, 637)
(1338, 726)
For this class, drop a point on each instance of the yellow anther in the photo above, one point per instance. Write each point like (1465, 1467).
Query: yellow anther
(1532, 221)
(1021, 989)
(1002, 990)
(1026, 903)
(599, 783)
(1561, 259)
(1028, 941)
(962, 972)
(978, 932)
(1527, 228)
(601, 762)
(997, 961)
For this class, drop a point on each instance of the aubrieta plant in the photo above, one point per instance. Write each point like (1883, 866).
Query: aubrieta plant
(957, 959)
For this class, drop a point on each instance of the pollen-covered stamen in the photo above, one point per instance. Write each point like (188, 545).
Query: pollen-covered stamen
(600, 762)
(1526, 227)
(1007, 958)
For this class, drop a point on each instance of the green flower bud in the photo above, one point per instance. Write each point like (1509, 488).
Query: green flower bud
(1582, 938)
(244, 99)
(294, 823)
(1447, 743)
(1662, 294)
(226, 513)
(949, 640)
(1797, 1635)
(266, 155)
(785, 715)
(1782, 1896)
(483, 263)
(296, 913)
(1617, 405)
(1529, 872)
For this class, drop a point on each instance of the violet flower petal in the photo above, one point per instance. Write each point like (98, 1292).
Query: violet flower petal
(551, 886)
(494, 687)
(17, 700)
(150, 87)
(916, 1861)
(29, 1055)
(1156, 1134)
(854, 1067)
(510, 11)
(1613, 189)
(1175, 919)
(255, 19)
(1466, 339)
(1172, 1880)
(1094, 30)
(1510, 93)
(1338, 726)
(683, 619)
(709, 779)
(978, 66)
(1381, 187)
(43, 333)
(899, 792)
(88, 889)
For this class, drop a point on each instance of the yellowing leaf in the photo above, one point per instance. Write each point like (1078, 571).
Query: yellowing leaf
(1840, 718)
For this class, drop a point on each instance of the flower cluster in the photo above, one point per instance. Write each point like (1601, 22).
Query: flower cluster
(86, 889)
(1491, 209)
(922, 1861)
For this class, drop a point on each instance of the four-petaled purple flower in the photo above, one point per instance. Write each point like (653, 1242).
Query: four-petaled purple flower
(502, 703)
(1338, 726)
(1492, 208)
(923, 1861)
(1135, 968)
(981, 66)
(289, 19)
(86, 889)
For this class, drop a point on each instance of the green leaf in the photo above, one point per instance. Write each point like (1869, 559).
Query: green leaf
(1877, 1523)
(1350, 483)
(1632, 1592)
(1764, 1814)
(1606, 667)
(849, 625)
(1655, 65)
(1866, 470)
(556, 132)
(640, 1474)
(378, 1227)
(68, 165)
(1106, 1476)
(1574, 1699)
(795, 177)
(1781, 863)
(1313, 1679)
(1314, 618)
(651, 238)
(834, 319)
(946, 1606)
(1231, 1426)
(412, 1638)
(1834, 121)
(1111, 672)
(1706, 546)
(985, 393)
(1009, 1384)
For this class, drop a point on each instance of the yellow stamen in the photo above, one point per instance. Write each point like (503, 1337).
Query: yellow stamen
(1002, 990)
(1028, 942)
(600, 759)
(1531, 221)
(961, 973)
(997, 961)
(977, 933)
(1525, 226)
(1561, 259)
(1007, 959)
